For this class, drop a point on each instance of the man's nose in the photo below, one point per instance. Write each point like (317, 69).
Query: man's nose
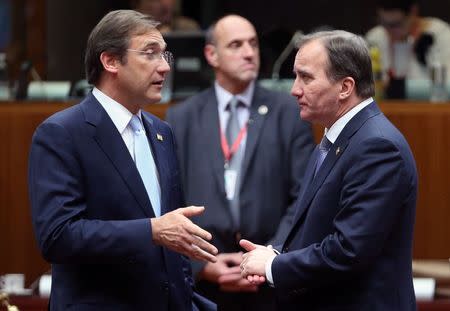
(296, 89)
(164, 66)
(249, 50)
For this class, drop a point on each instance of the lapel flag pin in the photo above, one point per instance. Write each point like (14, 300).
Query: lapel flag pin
(159, 137)
(338, 150)
(262, 110)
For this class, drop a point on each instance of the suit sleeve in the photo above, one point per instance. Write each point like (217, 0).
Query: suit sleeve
(373, 191)
(300, 146)
(58, 204)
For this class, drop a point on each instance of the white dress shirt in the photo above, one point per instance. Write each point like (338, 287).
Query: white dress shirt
(120, 116)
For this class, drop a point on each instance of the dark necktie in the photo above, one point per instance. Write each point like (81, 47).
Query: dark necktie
(324, 147)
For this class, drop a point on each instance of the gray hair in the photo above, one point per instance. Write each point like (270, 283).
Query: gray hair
(348, 56)
(112, 34)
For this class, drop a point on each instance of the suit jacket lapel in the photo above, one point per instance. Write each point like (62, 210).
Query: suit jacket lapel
(255, 124)
(333, 155)
(110, 141)
(316, 182)
(159, 155)
(210, 124)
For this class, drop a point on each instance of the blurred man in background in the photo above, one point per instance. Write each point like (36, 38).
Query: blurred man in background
(242, 152)
(409, 44)
(165, 12)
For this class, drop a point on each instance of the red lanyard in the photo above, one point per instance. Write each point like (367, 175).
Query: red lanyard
(227, 152)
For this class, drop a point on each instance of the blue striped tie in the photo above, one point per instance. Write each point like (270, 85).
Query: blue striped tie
(324, 147)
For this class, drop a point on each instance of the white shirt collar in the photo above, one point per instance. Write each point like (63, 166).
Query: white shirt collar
(120, 115)
(333, 132)
(224, 97)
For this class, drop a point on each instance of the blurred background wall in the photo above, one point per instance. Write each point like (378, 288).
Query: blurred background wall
(68, 23)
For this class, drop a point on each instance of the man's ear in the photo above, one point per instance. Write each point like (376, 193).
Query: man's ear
(211, 56)
(347, 88)
(110, 62)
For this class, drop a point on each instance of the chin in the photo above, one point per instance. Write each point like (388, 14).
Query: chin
(304, 115)
(248, 76)
(153, 99)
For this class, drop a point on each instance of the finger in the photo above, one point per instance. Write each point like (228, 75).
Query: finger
(234, 270)
(201, 254)
(204, 245)
(256, 279)
(233, 259)
(191, 210)
(247, 245)
(230, 278)
(197, 231)
(193, 251)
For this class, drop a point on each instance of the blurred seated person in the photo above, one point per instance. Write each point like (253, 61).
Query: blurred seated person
(409, 43)
(164, 11)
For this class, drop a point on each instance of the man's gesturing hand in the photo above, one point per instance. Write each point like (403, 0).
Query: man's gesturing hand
(174, 230)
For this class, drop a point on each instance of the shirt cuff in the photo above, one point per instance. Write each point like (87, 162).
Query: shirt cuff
(268, 267)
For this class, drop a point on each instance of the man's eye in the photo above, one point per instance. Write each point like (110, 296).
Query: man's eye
(305, 78)
(235, 45)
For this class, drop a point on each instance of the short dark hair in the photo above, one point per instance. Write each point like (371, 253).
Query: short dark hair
(112, 34)
(402, 5)
(210, 37)
(348, 56)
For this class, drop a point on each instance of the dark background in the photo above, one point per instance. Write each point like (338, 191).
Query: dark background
(69, 23)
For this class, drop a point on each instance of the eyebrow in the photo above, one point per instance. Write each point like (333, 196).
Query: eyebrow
(155, 44)
(237, 40)
(301, 71)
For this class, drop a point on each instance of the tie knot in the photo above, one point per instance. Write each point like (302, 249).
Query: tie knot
(233, 104)
(325, 144)
(136, 124)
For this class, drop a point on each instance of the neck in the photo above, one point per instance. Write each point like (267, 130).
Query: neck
(114, 92)
(233, 87)
(343, 108)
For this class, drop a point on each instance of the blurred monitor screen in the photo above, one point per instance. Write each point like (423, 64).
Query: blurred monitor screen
(190, 72)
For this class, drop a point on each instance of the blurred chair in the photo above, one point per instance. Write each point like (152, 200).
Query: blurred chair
(80, 89)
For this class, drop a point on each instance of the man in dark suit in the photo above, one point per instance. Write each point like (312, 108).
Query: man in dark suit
(247, 182)
(350, 245)
(104, 184)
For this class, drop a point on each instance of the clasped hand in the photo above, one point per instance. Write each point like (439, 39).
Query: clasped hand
(177, 232)
(227, 274)
(253, 266)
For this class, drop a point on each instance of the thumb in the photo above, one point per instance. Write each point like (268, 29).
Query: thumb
(247, 245)
(191, 210)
